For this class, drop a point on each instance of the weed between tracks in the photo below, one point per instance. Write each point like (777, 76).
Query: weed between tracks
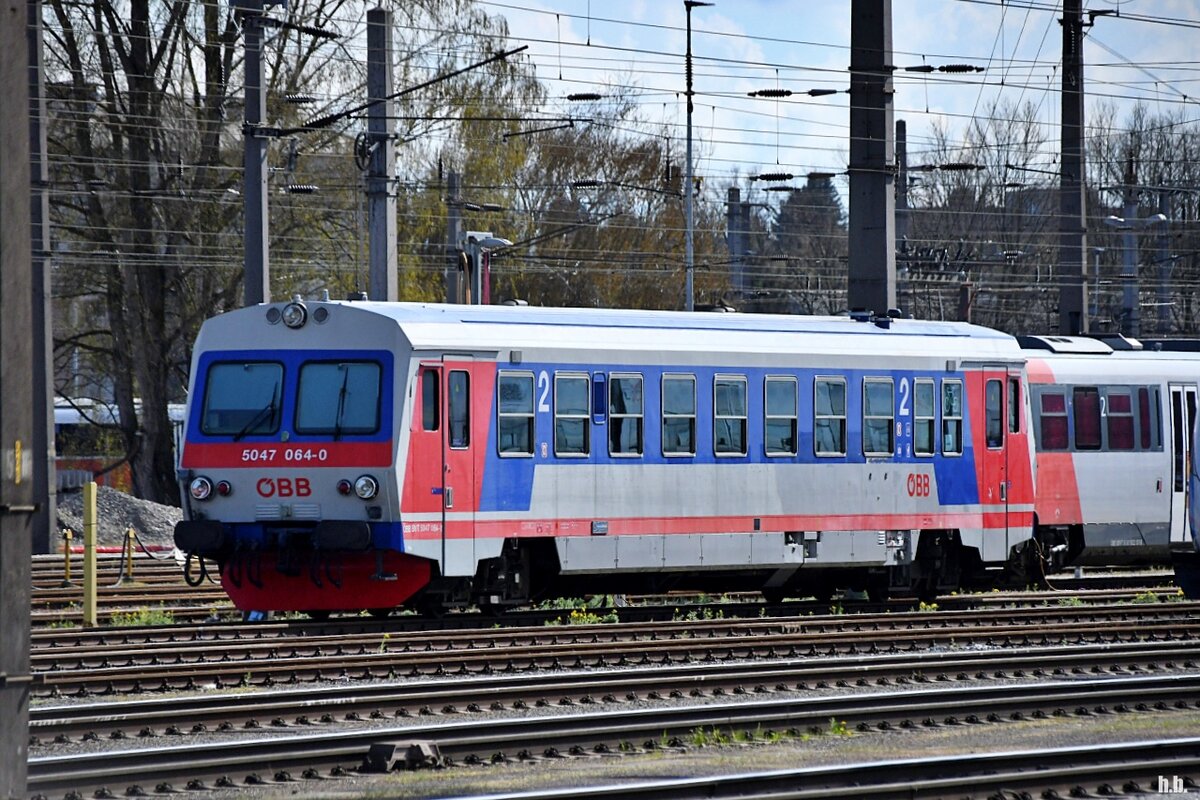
(142, 616)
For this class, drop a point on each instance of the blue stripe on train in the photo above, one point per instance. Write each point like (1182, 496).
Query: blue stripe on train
(508, 482)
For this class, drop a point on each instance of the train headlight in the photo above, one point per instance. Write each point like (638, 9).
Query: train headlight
(295, 314)
(200, 488)
(224, 488)
(366, 487)
(344, 487)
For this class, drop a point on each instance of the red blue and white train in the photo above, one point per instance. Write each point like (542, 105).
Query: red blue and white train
(361, 455)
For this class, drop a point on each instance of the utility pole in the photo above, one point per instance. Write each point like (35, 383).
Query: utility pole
(381, 194)
(872, 277)
(1165, 263)
(455, 274)
(254, 162)
(689, 189)
(19, 504)
(41, 330)
(1131, 318)
(735, 238)
(903, 215)
(1072, 230)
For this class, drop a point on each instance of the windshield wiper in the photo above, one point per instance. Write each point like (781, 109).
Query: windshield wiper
(341, 406)
(267, 412)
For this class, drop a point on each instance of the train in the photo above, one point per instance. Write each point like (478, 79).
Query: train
(341, 456)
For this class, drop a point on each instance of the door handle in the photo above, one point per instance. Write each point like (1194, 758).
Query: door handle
(449, 495)
(1003, 491)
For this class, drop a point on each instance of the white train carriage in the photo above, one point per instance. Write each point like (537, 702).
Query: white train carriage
(1114, 429)
(367, 455)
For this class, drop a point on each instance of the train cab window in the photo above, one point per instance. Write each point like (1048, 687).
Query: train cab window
(431, 397)
(829, 416)
(729, 416)
(1120, 421)
(1085, 401)
(514, 410)
(952, 417)
(338, 397)
(1053, 421)
(878, 415)
(924, 417)
(242, 399)
(1014, 405)
(625, 415)
(779, 416)
(679, 415)
(571, 413)
(994, 412)
(458, 388)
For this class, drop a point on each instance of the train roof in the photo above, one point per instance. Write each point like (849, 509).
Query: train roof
(443, 326)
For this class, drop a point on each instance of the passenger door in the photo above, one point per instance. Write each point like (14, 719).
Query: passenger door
(994, 453)
(459, 445)
(1183, 424)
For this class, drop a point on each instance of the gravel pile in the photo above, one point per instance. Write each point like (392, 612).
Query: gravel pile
(116, 512)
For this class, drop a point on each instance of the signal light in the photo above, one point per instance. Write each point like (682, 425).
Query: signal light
(344, 487)
(224, 488)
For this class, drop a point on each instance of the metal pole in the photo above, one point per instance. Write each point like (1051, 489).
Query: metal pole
(871, 283)
(735, 241)
(1131, 321)
(454, 276)
(1164, 266)
(381, 214)
(254, 164)
(18, 501)
(689, 249)
(1072, 237)
(42, 372)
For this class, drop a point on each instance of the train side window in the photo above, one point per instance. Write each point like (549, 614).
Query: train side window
(514, 409)
(1085, 401)
(430, 400)
(1053, 421)
(924, 416)
(625, 415)
(1014, 405)
(458, 387)
(679, 415)
(829, 416)
(952, 414)
(994, 412)
(1145, 430)
(779, 416)
(729, 416)
(1120, 421)
(878, 415)
(571, 412)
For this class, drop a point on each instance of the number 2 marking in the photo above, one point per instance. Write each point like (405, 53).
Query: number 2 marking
(544, 385)
(904, 397)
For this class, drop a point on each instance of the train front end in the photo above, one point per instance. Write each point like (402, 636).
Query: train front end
(288, 467)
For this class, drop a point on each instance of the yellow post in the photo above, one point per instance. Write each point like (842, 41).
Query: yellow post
(130, 536)
(89, 554)
(67, 535)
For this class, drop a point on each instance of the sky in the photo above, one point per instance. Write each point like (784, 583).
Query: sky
(1137, 50)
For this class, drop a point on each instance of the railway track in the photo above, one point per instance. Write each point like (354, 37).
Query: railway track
(1128, 769)
(301, 708)
(221, 657)
(289, 758)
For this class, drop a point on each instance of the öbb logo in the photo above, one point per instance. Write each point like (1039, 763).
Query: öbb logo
(284, 487)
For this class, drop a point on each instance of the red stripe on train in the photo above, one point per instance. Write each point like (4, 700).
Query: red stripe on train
(300, 455)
